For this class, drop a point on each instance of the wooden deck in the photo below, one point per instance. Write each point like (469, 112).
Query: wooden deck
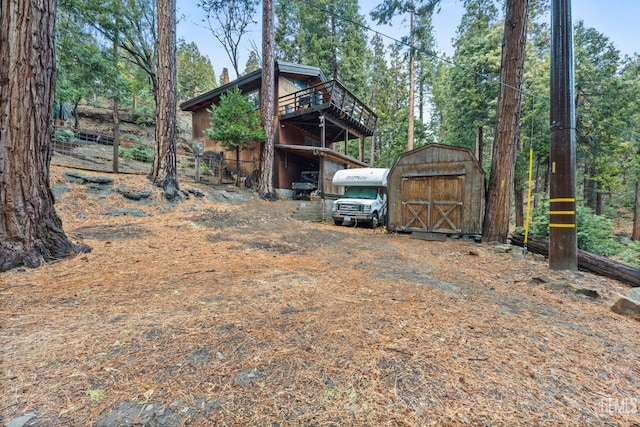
(340, 108)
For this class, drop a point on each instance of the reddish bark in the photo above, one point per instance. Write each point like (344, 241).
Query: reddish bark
(30, 230)
(498, 207)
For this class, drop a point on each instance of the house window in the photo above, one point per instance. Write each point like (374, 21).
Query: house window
(254, 98)
(300, 84)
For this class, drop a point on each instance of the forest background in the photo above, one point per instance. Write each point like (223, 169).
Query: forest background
(456, 93)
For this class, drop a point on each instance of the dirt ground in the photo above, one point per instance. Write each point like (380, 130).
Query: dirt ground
(226, 310)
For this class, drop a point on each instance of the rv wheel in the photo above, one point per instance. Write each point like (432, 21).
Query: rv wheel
(374, 220)
(337, 221)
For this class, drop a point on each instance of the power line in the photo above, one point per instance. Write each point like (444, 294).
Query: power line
(493, 79)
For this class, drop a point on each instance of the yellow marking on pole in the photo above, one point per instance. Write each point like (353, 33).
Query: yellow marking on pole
(562, 212)
(562, 200)
(562, 226)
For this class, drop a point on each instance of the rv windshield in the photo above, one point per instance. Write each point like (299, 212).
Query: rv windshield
(361, 193)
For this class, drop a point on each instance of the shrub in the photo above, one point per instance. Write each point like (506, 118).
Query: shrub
(63, 135)
(145, 115)
(631, 253)
(139, 152)
(125, 153)
(594, 232)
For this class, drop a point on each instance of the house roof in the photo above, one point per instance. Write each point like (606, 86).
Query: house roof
(251, 81)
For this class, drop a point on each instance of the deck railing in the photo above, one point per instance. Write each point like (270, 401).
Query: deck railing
(325, 95)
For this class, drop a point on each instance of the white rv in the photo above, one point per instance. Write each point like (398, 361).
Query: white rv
(365, 196)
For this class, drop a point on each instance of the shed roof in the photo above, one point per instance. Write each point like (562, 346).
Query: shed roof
(419, 154)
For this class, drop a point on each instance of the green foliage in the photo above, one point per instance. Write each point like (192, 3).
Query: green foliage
(594, 233)
(139, 152)
(131, 27)
(467, 92)
(125, 154)
(144, 115)
(234, 122)
(95, 394)
(631, 253)
(63, 135)
(310, 33)
(598, 91)
(388, 9)
(195, 72)
(84, 68)
(390, 101)
(253, 63)
(141, 89)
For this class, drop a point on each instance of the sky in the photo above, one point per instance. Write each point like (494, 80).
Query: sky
(616, 19)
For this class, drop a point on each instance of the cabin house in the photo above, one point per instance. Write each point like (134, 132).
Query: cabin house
(438, 189)
(315, 120)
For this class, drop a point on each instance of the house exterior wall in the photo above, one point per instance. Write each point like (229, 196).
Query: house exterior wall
(286, 87)
(249, 158)
(288, 163)
(290, 135)
(199, 122)
(330, 168)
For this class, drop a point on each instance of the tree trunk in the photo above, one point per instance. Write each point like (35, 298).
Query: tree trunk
(267, 103)
(116, 136)
(237, 166)
(636, 216)
(479, 144)
(589, 188)
(30, 230)
(116, 120)
(76, 116)
(164, 163)
(518, 191)
(496, 219)
(334, 50)
(412, 84)
(586, 261)
(372, 160)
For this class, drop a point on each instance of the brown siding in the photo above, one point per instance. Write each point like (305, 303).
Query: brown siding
(288, 165)
(249, 159)
(330, 168)
(200, 122)
(291, 135)
(285, 87)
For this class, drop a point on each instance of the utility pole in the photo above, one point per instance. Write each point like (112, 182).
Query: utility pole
(563, 248)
